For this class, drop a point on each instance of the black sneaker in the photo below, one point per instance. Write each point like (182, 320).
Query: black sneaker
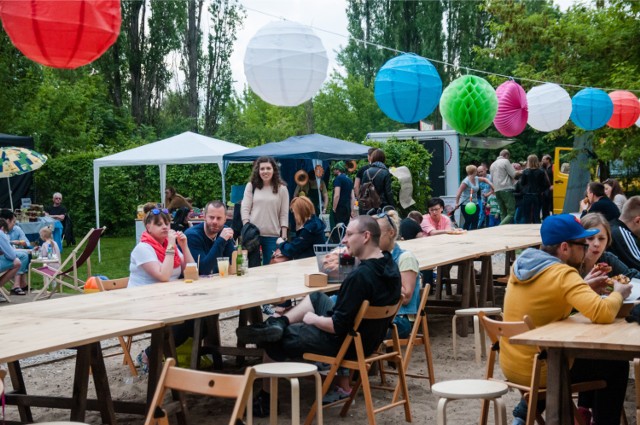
(269, 331)
(261, 404)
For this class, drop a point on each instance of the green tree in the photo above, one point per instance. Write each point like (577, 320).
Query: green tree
(226, 17)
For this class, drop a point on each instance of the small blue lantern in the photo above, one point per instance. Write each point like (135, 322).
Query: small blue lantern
(592, 109)
(408, 88)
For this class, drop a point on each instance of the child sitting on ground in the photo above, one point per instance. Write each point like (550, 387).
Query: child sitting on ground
(46, 236)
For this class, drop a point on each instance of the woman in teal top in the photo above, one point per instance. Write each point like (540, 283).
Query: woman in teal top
(409, 270)
(468, 192)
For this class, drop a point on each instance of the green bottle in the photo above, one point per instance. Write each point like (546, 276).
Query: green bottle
(239, 259)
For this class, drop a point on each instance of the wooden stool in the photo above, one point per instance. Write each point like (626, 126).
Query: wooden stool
(478, 331)
(471, 389)
(291, 371)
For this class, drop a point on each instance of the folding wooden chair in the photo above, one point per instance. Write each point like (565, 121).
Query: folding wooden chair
(67, 274)
(496, 330)
(204, 383)
(362, 364)
(125, 342)
(419, 336)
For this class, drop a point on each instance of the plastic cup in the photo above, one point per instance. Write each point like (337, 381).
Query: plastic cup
(223, 266)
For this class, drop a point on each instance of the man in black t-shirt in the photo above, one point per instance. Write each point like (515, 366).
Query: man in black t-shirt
(316, 324)
(56, 211)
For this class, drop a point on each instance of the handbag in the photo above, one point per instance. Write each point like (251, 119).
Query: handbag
(278, 257)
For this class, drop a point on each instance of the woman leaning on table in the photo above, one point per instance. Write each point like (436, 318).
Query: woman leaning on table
(155, 258)
(266, 205)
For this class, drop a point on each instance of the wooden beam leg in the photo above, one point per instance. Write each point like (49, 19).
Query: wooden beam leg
(170, 351)
(559, 404)
(155, 362)
(195, 347)
(103, 393)
(17, 382)
(81, 384)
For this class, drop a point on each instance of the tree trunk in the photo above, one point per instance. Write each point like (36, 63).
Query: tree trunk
(135, 59)
(192, 63)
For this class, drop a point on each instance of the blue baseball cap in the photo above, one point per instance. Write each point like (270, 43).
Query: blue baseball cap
(560, 228)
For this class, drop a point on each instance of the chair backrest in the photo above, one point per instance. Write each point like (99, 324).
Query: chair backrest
(496, 329)
(112, 284)
(368, 312)
(91, 239)
(204, 383)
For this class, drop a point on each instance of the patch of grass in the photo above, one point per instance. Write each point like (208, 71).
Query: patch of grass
(116, 253)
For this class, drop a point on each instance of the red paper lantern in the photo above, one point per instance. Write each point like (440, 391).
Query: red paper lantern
(626, 109)
(61, 33)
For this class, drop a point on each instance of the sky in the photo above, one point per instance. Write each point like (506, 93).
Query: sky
(325, 16)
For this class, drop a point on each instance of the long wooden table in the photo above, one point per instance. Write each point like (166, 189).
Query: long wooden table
(577, 337)
(155, 308)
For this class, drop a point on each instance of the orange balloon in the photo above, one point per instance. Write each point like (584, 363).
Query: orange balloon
(626, 109)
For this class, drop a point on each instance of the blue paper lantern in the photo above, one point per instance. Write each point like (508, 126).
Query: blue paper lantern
(408, 88)
(592, 109)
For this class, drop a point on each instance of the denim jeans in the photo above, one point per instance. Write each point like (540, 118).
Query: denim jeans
(268, 244)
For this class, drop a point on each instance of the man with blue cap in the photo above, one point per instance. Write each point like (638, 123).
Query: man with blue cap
(545, 285)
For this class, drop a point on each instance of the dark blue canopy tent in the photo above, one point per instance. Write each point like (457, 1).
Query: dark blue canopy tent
(311, 146)
(301, 152)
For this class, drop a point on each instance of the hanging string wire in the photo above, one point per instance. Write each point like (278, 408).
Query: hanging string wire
(459, 67)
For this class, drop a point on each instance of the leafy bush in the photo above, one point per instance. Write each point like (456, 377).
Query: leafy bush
(417, 159)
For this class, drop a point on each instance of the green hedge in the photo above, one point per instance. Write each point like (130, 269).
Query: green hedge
(122, 189)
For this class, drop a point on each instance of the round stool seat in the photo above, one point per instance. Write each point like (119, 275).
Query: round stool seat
(469, 388)
(285, 369)
(474, 311)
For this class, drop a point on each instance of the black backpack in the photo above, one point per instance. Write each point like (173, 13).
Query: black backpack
(368, 197)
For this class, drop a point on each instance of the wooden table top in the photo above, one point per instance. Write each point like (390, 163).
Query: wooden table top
(577, 332)
(439, 250)
(38, 335)
(174, 302)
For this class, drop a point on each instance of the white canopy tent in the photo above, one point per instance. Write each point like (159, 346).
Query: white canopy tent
(185, 148)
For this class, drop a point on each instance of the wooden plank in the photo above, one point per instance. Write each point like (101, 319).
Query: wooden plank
(578, 332)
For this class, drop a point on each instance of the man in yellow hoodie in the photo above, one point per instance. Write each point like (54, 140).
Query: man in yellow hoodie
(546, 286)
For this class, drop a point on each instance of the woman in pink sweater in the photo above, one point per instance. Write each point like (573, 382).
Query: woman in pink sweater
(266, 205)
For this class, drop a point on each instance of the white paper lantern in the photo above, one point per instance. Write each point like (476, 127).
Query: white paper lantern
(285, 63)
(549, 107)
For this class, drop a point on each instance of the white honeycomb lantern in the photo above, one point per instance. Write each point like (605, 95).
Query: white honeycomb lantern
(285, 63)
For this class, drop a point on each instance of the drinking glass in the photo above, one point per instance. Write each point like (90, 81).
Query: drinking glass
(223, 266)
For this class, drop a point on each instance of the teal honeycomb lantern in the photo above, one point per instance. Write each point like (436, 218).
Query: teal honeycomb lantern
(469, 104)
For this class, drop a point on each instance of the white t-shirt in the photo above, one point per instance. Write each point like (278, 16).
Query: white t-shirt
(144, 253)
